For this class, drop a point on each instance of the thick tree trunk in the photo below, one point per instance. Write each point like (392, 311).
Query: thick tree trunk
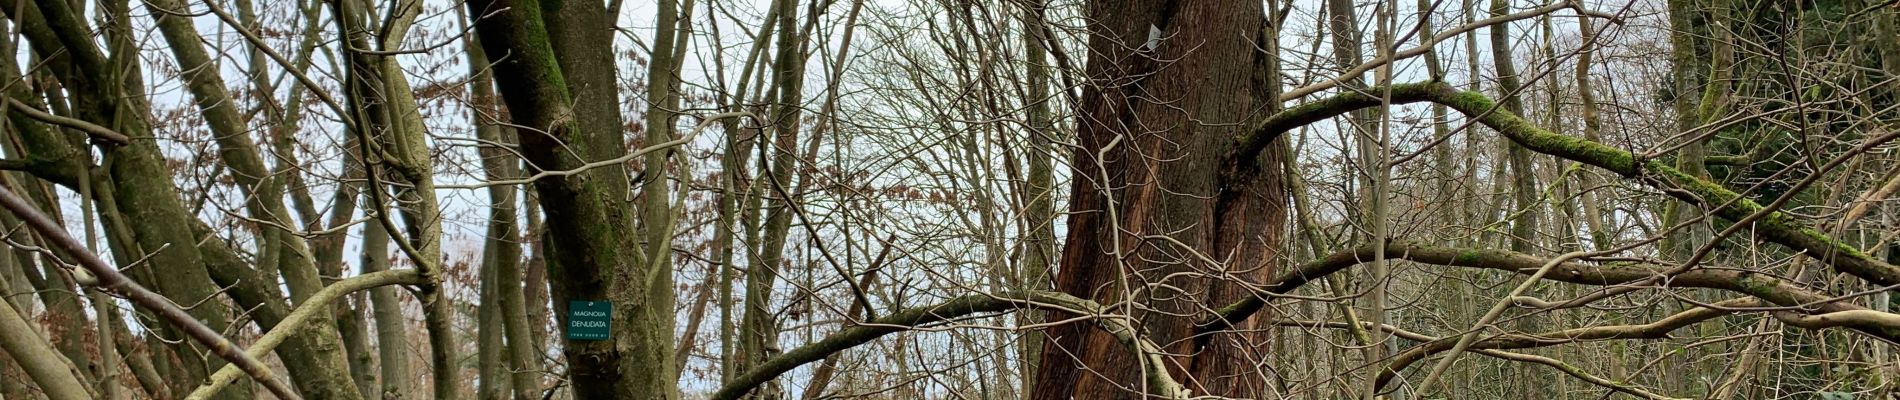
(1151, 162)
(149, 201)
(555, 71)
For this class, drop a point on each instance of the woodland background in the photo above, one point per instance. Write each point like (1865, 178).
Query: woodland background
(950, 199)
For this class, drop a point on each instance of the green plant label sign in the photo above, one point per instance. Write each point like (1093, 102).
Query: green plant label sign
(589, 319)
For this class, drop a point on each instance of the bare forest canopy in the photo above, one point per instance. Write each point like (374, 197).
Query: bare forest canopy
(949, 199)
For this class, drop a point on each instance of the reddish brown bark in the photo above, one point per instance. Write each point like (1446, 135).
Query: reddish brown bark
(1170, 112)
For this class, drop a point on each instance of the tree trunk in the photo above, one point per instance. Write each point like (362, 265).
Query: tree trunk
(488, 345)
(758, 329)
(148, 199)
(392, 333)
(1687, 67)
(319, 362)
(1039, 253)
(1146, 168)
(560, 64)
(504, 236)
(1523, 178)
(735, 198)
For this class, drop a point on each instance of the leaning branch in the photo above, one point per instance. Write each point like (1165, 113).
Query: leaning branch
(111, 279)
(91, 129)
(1159, 383)
(44, 365)
(1839, 319)
(1774, 226)
(1492, 315)
(313, 307)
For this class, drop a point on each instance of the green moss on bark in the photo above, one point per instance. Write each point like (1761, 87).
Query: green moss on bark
(1775, 226)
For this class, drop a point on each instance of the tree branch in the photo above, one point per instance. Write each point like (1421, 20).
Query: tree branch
(1766, 287)
(91, 129)
(1159, 383)
(1560, 365)
(52, 371)
(1654, 330)
(1857, 319)
(1572, 370)
(1774, 226)
(1430, 42)
(111, 279)
(317, 304)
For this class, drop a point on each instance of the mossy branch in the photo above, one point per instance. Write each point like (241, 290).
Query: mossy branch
(1773, 226)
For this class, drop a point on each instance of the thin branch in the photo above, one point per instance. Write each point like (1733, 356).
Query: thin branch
(1579, 373)
(289, 67)
(611, 161)
(1429, 43)
(91, 129)
(1497, 310)
(1654, 330)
